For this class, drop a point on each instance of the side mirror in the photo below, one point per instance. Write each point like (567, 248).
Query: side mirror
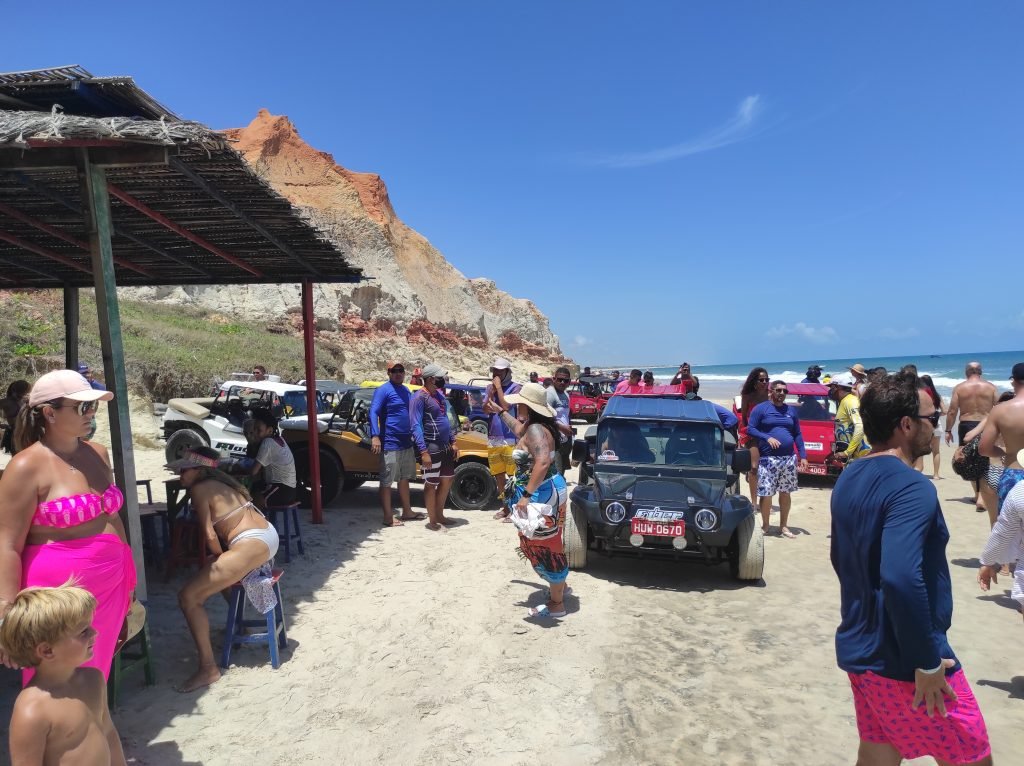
(741, 461)
(580, 451)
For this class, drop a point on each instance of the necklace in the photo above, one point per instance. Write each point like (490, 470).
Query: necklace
(66, 460)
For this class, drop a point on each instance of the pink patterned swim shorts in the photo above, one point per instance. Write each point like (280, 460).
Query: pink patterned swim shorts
(885, 715)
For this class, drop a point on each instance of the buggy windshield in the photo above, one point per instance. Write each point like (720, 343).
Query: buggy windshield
(653, 442)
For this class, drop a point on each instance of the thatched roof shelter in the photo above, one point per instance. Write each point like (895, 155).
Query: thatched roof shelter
(102, 186)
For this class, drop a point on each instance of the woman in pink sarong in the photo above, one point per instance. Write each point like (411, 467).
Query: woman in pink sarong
(58, 509)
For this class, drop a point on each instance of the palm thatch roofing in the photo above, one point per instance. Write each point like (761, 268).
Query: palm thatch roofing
(186, 208)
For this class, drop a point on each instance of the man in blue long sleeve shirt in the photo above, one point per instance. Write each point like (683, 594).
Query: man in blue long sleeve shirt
(776, 426)
(435, 442)
(391, 438)
(889, 551)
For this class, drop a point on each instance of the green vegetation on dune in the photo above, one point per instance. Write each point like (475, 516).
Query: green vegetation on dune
(169, 350)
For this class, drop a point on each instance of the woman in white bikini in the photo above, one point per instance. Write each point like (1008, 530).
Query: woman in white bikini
(240, 538)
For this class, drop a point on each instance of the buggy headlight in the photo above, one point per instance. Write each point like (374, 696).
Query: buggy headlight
(705, 519)
(615, 512)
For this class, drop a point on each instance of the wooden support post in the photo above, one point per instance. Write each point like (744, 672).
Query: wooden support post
(308, 328)
(71, 328)
(96, 205)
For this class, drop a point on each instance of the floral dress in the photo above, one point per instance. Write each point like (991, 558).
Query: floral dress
(544, 551)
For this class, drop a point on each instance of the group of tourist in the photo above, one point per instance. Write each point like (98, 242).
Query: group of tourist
(67, 575)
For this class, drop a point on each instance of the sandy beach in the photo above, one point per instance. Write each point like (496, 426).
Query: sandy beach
(410, 646)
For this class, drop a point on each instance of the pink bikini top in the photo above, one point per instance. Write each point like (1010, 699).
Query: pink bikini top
(78, 509)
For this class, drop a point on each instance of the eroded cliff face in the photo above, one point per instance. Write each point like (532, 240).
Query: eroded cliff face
(417, 305)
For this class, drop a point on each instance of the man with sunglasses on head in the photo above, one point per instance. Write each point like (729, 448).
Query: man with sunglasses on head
(776, 426)
(391, 438)
(889, 538)
(558, 400)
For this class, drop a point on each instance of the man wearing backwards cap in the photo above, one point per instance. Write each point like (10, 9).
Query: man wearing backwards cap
(435, 443)
(500, 438)
(391, 438)
(849, 428)
(1007, 421)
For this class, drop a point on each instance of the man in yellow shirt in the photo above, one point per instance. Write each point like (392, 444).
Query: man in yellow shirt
(849, 428)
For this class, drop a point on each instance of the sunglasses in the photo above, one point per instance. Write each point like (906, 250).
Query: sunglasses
(780, 391)
(762, 380)
(933, 418)
(561, 380)
(396, 371)
(82, 408)
(440, 382)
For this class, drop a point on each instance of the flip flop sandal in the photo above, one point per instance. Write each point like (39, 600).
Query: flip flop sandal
(543, 611)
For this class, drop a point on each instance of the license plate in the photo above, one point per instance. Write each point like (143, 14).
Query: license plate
(816, 468)
(656, 514)
(815, 446)
(657, 529)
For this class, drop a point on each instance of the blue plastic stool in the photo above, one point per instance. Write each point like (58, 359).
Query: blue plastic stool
(274, 636)
(291, 517)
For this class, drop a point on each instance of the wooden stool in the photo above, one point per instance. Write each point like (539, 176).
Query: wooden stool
(291, 518)
(130, 653)
(186, 546)
(273, 636)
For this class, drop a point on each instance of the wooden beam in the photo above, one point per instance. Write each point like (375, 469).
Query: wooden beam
(71, 315)
(49, 193)
(53, 232)
(308, 327)
(214, 192)
(163, 220)
(96, 204)
(25, 245)
(18, 158)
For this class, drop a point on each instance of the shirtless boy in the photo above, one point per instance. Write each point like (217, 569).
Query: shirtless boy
(1007, 421)
(61, 717)
(972, 399)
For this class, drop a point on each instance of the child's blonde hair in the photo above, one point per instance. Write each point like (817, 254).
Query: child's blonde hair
(43, 615)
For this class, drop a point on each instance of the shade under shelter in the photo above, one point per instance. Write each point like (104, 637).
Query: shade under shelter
(101, 186)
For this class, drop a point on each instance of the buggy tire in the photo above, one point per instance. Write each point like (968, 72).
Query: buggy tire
(473, 487)
(181, 440)
(332, 476)
(748, 561)
(352, 483)
(574, 537)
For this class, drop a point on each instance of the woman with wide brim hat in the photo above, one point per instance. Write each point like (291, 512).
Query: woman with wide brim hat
(58, 509)
(537, 481)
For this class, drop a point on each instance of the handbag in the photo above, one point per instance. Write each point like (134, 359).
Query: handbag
(968, 462)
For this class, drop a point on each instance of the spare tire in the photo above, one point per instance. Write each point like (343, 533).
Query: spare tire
(181, 440)
(473, 488)
(574, 537)
(332, 475)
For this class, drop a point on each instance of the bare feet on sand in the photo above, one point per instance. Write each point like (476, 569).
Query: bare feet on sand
(448, 522)
(413, 517)
(436, 527)
(786, 533)
(206, 675)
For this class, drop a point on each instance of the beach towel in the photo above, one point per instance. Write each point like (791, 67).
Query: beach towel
(101, 564)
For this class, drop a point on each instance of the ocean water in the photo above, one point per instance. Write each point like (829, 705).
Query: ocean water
(722, 381)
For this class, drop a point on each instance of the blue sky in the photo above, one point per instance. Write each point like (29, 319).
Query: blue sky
(711, 181)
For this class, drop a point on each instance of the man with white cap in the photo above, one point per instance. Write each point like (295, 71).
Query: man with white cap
(435, 443)
(500, 438)
(849, 428)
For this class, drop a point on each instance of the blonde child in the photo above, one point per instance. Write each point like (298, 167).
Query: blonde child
(61, 716)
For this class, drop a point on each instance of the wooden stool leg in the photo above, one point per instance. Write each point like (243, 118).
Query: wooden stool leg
(298, 530)
(147, 655)
(234, 617)
(275, 657)
(114, 682)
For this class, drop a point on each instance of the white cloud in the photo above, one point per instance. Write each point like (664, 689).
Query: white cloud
(580, 341)
(820, 335)
(738, 128)
(894, 334)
